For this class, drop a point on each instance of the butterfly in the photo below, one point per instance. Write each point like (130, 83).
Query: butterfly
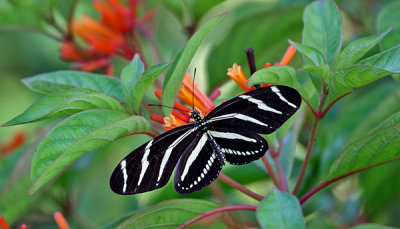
(198, 151)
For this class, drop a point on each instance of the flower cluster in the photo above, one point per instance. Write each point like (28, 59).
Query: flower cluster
(191, 95)
(236, 72)
(91, 43)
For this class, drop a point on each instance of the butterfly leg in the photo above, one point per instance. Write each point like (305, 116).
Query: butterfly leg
(217, 149)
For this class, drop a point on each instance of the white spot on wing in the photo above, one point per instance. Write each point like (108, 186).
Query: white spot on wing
(276, 90)
(260, 104)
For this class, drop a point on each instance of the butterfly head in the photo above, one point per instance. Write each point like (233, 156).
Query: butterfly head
(196, 115)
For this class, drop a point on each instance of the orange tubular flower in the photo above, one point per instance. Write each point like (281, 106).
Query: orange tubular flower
(188, 93)
(18, 140)
(238, 76)
(114, 34)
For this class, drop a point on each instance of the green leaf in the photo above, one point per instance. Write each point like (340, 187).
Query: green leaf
(366, 71)
(389, 17)
(371, 226)
(321, 71)
(78, 135)
(282, 75)
(357, 49)
(171, 88)
(323, 28)
(142, 84)
(129, 75)
(65, 103)
(169, 214)
(309, 53)
(63, 80)
(378, 147)
(280, 210)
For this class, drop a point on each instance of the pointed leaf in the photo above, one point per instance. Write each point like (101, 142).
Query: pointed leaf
(322, 72)
(280, 210)
(65, 103)
(78, 135)
(282, 75)
(142, 84)
(311, 54)
(357, 49)
(389, 17)
(368, 70)
(378, 147)
(323, 28)
(63, 80)
(171, 88)
(169, 214)
(129, 75)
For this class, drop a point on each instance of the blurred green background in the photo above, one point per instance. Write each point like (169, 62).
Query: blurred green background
(82, 192)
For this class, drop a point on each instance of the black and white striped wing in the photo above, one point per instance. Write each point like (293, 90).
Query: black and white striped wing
(239, 146)
(198, 166)
(150, 166)
(262, 110)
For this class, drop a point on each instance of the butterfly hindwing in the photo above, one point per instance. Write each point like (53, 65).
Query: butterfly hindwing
(239, 146)
(150, 166)
(198, 166)
(262, 110)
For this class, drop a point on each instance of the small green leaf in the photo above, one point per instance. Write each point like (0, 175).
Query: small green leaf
(129, 75)
(309, 53)
(171, 88)
(169, 214)
(142, 84)
(65, 103)
(78, 135)
(357, 49)
(378, 147)
(280, 210)
(323, 28)
(322, 71)
(63, 80)
(389, 17)
(282, 75)
(366, 71)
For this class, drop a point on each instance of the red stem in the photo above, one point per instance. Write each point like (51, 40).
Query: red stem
(326, 183)
(315, 113)
(218, 210)
(327, 108)
(240, 187)
(271, 172)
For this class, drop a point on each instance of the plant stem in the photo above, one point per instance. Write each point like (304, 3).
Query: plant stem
(282, 178)
(240, 187)
(271, 172)
(218, 210)
(328, 182)
(311, 141)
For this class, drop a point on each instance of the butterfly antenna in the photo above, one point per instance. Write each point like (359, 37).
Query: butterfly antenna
(194, 76)
(157, 105)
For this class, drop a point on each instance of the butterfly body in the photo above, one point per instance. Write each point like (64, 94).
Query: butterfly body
(198, 151)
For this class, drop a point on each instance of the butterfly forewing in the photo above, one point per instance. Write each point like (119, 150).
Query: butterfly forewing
(198, 166)
(262, 110)
(150, 166)
(239, 146)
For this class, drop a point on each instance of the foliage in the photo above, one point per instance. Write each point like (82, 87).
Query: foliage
(85, 122)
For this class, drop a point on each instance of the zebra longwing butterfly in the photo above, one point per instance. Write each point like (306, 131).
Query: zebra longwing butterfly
(229, 133)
